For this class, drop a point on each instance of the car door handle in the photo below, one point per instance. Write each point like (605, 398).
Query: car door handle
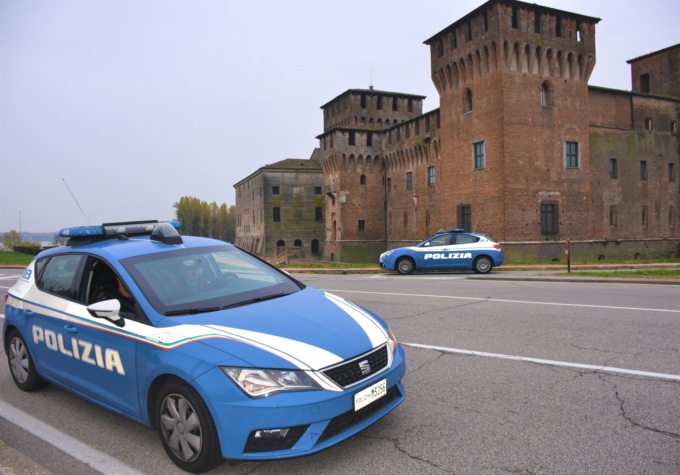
(71, 329)
(29, 313)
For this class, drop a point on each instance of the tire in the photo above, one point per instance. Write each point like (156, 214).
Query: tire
(405, 265)
(186, 428)
(482, 265)
(21, 365)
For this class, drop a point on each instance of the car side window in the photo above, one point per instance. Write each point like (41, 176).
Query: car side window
(102, 283)
(58, 274)
(466, 239)
(442, 240)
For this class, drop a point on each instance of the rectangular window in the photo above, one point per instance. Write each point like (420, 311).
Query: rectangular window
(644, 84)
(369, 139)
(613, 215)
(363, 101)
(479, 156)
(613, 169)
(362, 225)
(465, 217)
(644, 215)
(558, 26)
(648, 123)
(389, 184)
(643, 169)
(380, 102)
(410, 104)
(430, 176)
(352, 138)
(275, 190)
(276, 214)
(572, 154)
(317, 190)
(409, 180)
(671, 216)
(515, 17)
(549, 218)
(674, 127)
(395, 104)
(537, 22)
(671, 172)
(318, 214)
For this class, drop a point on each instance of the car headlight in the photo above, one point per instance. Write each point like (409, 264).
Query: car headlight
(385, 254)
(392, 342)
(265, 382)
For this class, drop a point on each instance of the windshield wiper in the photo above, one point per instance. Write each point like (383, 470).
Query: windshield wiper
(255, 300)
(191, 311)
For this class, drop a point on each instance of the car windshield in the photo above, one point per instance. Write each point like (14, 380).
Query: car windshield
(198, 280)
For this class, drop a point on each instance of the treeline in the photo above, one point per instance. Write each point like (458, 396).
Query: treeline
(200, 218)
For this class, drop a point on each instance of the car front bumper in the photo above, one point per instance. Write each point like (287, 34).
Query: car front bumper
(299, 423)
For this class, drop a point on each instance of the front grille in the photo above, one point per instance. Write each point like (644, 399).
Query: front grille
(341, 423)
(359, 368)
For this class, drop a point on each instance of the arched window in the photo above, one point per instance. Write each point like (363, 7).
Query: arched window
(280, 243)
(297, 243)
(546, 94)
(467, 100)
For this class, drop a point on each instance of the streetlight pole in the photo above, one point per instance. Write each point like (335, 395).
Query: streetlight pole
(19, 227)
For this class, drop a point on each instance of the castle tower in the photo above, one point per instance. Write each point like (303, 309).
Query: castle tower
(513, 84)
(352, 145)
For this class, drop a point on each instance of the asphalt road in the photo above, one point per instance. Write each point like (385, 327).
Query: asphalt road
(502, 377)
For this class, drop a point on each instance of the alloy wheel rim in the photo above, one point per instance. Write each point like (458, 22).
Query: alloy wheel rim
(181, 428)
(18, 359)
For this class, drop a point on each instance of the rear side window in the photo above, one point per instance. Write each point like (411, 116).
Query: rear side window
(58, 274)
(466, 239)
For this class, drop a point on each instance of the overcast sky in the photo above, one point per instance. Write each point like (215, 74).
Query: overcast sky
(112, 110)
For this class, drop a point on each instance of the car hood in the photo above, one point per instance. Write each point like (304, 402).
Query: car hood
(309, 329)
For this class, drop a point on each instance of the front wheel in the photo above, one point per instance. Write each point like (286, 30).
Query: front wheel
(405, 265)
(482, 265)
(21, 364)
(186, 428)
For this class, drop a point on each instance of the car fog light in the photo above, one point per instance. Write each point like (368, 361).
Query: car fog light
(271, 433)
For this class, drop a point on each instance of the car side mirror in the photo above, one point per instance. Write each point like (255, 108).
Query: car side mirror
(427, 244)
(109, 310)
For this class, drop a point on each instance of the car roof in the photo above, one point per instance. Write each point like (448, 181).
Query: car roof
(116, 241)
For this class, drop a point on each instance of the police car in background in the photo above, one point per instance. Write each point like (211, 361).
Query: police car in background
(226, 356)
(454, 249)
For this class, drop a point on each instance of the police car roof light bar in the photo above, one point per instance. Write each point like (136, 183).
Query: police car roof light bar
(164, 231)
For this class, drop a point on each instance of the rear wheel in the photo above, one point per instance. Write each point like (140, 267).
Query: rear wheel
(405, 265)
(21, 364)
(482, 265)
(186, 428)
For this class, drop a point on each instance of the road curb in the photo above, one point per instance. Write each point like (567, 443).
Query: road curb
(13, 462)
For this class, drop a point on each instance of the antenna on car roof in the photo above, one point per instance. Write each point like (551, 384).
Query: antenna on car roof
(74, 199)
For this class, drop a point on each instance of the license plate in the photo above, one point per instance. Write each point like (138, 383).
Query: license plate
(370, 394)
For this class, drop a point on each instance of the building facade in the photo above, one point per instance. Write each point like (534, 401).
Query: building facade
(280, 209)
(521, 147)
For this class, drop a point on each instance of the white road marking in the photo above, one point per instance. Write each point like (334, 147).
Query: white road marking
(522, 302)
(99, 461)
(604, 369)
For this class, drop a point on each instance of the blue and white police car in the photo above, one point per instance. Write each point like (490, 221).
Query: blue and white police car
(226, 356)
(454, 249)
